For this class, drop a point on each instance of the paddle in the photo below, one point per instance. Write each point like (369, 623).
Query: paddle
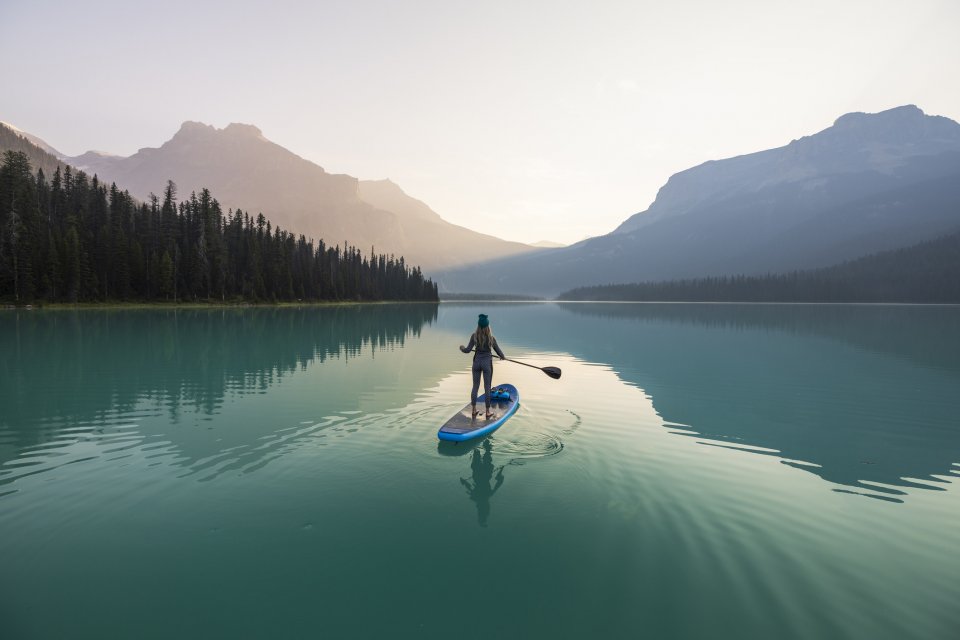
(553, 372)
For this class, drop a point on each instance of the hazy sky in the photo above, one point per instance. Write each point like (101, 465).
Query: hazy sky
(528, 120)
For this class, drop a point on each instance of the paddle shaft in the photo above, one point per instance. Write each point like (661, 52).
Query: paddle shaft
(553, 372)
(532, 366)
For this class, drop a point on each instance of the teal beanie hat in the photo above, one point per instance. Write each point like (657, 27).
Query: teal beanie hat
(483, 321)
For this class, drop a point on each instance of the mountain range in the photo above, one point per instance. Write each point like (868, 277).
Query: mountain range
(245, 170)
(869, 183)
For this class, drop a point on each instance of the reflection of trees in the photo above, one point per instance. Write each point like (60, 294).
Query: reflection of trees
(918, 333)
(68, 366)
(773, 376)
(478, 488)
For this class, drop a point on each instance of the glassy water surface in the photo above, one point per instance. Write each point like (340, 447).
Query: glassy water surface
(699, 471)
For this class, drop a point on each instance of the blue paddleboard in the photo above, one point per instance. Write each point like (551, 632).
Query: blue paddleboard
(463, 426)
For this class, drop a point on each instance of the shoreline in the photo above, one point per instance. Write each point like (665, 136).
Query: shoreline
(129, 306)
(75, 306)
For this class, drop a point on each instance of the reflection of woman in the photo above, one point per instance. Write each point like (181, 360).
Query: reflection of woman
(485, 343)
(480, 491)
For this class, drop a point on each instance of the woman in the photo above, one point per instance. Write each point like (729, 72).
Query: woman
(484, 342)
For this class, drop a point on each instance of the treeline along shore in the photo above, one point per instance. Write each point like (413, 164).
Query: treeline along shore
(71, 238)
(928, 272)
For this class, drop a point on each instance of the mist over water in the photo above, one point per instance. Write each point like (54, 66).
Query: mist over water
(771, 471)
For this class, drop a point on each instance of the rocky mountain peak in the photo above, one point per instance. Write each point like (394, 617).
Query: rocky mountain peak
(857, 143)
(193, 128)
(897, 115)
(906, 125)
(245, 130)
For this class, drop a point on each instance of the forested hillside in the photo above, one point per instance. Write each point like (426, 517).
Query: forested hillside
(14, 140)
(69, 238)
(928, 272)
(247, 170)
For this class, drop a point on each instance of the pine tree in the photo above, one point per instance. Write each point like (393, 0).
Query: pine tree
(76, 239)
(166, 276)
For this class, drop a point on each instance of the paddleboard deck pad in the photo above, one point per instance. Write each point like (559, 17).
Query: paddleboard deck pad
(463, 426)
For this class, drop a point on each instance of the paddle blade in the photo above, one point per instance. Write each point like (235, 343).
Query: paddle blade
(553, 372)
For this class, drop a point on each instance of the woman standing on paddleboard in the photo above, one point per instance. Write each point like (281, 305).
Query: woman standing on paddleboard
(485, 344)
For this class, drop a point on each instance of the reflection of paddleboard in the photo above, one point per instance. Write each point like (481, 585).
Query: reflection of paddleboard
(463, 426)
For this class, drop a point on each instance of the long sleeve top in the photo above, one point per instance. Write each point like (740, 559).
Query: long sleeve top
(482, 353)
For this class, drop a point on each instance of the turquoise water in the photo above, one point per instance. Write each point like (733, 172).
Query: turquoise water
(699, 471)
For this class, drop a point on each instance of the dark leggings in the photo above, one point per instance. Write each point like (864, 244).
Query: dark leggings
(484, 366)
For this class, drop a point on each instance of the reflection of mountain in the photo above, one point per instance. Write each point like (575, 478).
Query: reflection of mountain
(64, 368)
(867, 393)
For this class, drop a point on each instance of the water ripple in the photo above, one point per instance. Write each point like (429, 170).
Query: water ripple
(521, 445)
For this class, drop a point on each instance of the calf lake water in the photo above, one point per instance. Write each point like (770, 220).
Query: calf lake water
(699, 471)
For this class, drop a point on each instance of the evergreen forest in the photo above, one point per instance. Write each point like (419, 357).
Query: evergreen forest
(71, 238)
(928, 272)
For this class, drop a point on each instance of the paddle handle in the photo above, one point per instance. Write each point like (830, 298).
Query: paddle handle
(515, 361)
